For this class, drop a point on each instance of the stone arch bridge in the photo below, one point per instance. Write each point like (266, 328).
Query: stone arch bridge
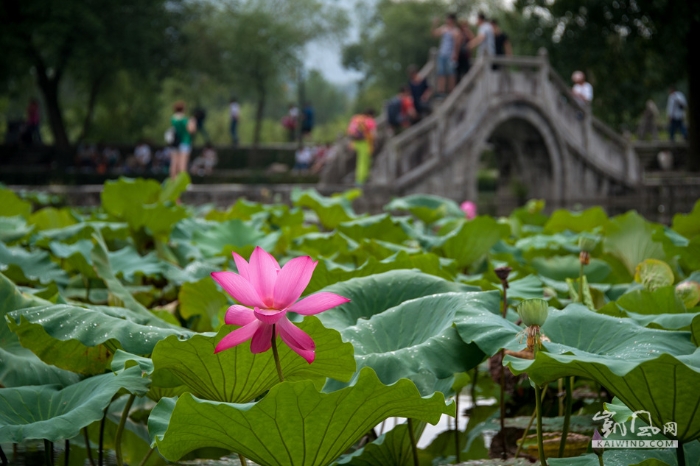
(519, 109)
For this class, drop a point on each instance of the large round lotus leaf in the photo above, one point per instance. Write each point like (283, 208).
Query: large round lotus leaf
(426, 207)
(639, 457)
(18, 365)
(417, 339)
(292, 424)
(663, 300)
(51, 413)
(473, 240)
(331, 211)
(82, 339)
(392, 448)
(381, 227)
(587, 220)
(328, 273)
(24, 266)
(628, 237)
(237, 375)
(377, 293)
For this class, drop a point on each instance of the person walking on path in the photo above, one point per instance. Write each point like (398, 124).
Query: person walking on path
(448, 52)
(484, 42)
(307, 119)
(361, 130)
(675, 110)
(183, 128)
(235, 112)
(502, 45)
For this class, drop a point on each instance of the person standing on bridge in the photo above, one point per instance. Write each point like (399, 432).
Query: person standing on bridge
(448, 52)
(361, 130)
(582, 90)
(675, 110)
(485, 41)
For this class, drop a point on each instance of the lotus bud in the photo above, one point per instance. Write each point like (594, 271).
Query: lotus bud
(689, 293)
(587, 243)
(597, 436)
(533, 312)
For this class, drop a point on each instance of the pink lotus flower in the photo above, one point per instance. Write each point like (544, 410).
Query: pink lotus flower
(272, 292)
(469, 209)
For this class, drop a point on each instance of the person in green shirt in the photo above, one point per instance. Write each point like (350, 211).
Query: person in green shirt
(183, 127)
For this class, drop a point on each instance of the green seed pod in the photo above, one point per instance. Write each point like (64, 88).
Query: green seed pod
(689, 293)
(533, 311)
(587, 243)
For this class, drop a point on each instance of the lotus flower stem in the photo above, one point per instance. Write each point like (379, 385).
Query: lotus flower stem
(66, 452)
(414, 444)
(600, 460)
(538, 409)
(472, 391)
(529, 425)
(567, 416)
(680, 454)
(275, 354)
(457, 449)
(504, 453)
(100, 449)
(120, 430)
(3, 458)
(148, 455)
(241, 458)
(87, 446)
(580, 281)
(48, 452)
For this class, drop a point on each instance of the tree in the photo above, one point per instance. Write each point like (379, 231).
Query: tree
(257, 44)
(90, 40)
(629, 49)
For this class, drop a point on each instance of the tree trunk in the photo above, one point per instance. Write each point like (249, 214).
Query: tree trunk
(49, 89)
(92, 100)
(693, 66)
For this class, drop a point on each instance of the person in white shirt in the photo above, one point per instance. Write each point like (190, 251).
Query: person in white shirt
(235, 112)
(485, 41)
(675, 109)
(583, 91)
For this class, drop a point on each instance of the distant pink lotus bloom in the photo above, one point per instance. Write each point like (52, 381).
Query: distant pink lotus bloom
(469, 209)
(271, 292)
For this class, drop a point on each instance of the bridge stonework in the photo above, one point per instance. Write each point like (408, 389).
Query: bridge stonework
(520, 109)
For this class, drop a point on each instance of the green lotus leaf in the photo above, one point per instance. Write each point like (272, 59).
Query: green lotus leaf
(122, 195)
(18, 365)
(80, 231)
(381, 227)
(232, 235)
(473, 240)
(417, 340)
(563, 267)
(392, 448)
(425, 207)
(12, 205)
(30, 266)
(103, 268)
(13, 228)
(666, 321)
(243, 209)
(237, 375)
(587, 220)
(688, 225)
(128, 263)
(51, 413)
(555, 243)
(629, 238)
(661, 301)
(203, 301)
(83, 340)
(377, 293)
(328, 272)
(172, 189)
(50, 218)
(331, 211)
(293, 423)
(77, 255)
(624, 458)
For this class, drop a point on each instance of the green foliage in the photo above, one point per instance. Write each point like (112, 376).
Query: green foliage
(293, 424)
(238, 376)
(53, 413)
